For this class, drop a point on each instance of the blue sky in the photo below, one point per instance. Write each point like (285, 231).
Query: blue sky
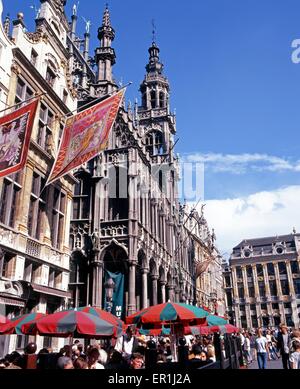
(234, 86)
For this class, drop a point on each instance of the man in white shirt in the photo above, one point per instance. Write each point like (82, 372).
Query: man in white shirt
(127, 344)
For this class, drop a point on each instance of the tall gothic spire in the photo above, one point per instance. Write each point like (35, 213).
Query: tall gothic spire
(155, 87)
(105, 54)
(106, 17)
(154, 65)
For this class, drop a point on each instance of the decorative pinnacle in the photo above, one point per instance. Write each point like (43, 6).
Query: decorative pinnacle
(153, 31)
(106, 17)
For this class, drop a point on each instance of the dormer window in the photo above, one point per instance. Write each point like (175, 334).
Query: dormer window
(33, 58)
(247, 252)
(279, 250)
(65, 96)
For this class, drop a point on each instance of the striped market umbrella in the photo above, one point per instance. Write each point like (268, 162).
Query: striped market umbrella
(160, 331)
(207, 330)
(169, 313)
(72, 323)
(15, 324)
(104, 315)
(214, 320)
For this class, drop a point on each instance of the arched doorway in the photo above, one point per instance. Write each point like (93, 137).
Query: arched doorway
(115, 265)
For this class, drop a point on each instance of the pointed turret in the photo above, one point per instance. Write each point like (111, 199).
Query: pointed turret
(105, 55)
(155, 87)
(6, 25)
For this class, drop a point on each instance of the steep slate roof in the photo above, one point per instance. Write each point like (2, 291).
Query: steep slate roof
(266, 241)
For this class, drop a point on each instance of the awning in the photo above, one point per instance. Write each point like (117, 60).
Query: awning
(11, 301)
(51, 291)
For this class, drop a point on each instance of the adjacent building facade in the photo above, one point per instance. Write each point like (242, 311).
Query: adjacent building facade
(34, 220)
(209, 281)
(262, 282)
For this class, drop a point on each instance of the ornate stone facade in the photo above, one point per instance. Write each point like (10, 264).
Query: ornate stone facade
(262, 282)
(128, 195)
(34, 220)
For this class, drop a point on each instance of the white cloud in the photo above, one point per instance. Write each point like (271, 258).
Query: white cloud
(258, 215)
(243, 163)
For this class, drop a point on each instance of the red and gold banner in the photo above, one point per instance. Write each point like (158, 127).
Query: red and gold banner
(85, 136)
(15, 133)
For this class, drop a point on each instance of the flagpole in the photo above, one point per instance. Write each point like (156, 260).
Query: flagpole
(22, 102)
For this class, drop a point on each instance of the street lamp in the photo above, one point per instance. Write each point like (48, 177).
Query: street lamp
(109, 292)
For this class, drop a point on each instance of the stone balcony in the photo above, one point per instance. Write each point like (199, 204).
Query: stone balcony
(27, 246)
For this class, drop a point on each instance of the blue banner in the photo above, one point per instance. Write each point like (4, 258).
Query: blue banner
(116, 307)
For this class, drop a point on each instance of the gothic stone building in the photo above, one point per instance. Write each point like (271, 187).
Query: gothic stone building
(126, 199)
(262, 282)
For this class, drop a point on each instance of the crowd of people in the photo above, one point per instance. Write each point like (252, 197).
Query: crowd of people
(267, 345)
(129, 352)
(132, 351)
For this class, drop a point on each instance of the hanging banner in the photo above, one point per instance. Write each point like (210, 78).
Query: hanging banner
(116, 306)
(85, 136)
(15, 133)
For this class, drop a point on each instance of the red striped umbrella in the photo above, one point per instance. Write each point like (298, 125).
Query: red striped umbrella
(206, 330)
(169, 312)
(109, 317)
(15, 325)
(72, 323)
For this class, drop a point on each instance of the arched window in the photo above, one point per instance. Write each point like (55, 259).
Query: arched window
(162, 102)
(154, 143)
(144, 100)
(153, 99)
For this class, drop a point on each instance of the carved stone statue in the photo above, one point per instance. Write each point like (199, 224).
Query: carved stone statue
(87, 26)
(96, 240)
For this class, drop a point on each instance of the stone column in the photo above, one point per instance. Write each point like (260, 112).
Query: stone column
(268, 294)
(171, 292)
(292, 294)
(255, 282)
(290, 277)
(145, 287)
(97, 283)
(154, 289)
(277, 278)
(266, 278)
(177, 293)
(163, 291)
(132, 302)
(234, 283)
(245, 282)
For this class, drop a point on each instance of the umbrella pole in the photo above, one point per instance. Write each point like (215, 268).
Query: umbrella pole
(173, 344)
